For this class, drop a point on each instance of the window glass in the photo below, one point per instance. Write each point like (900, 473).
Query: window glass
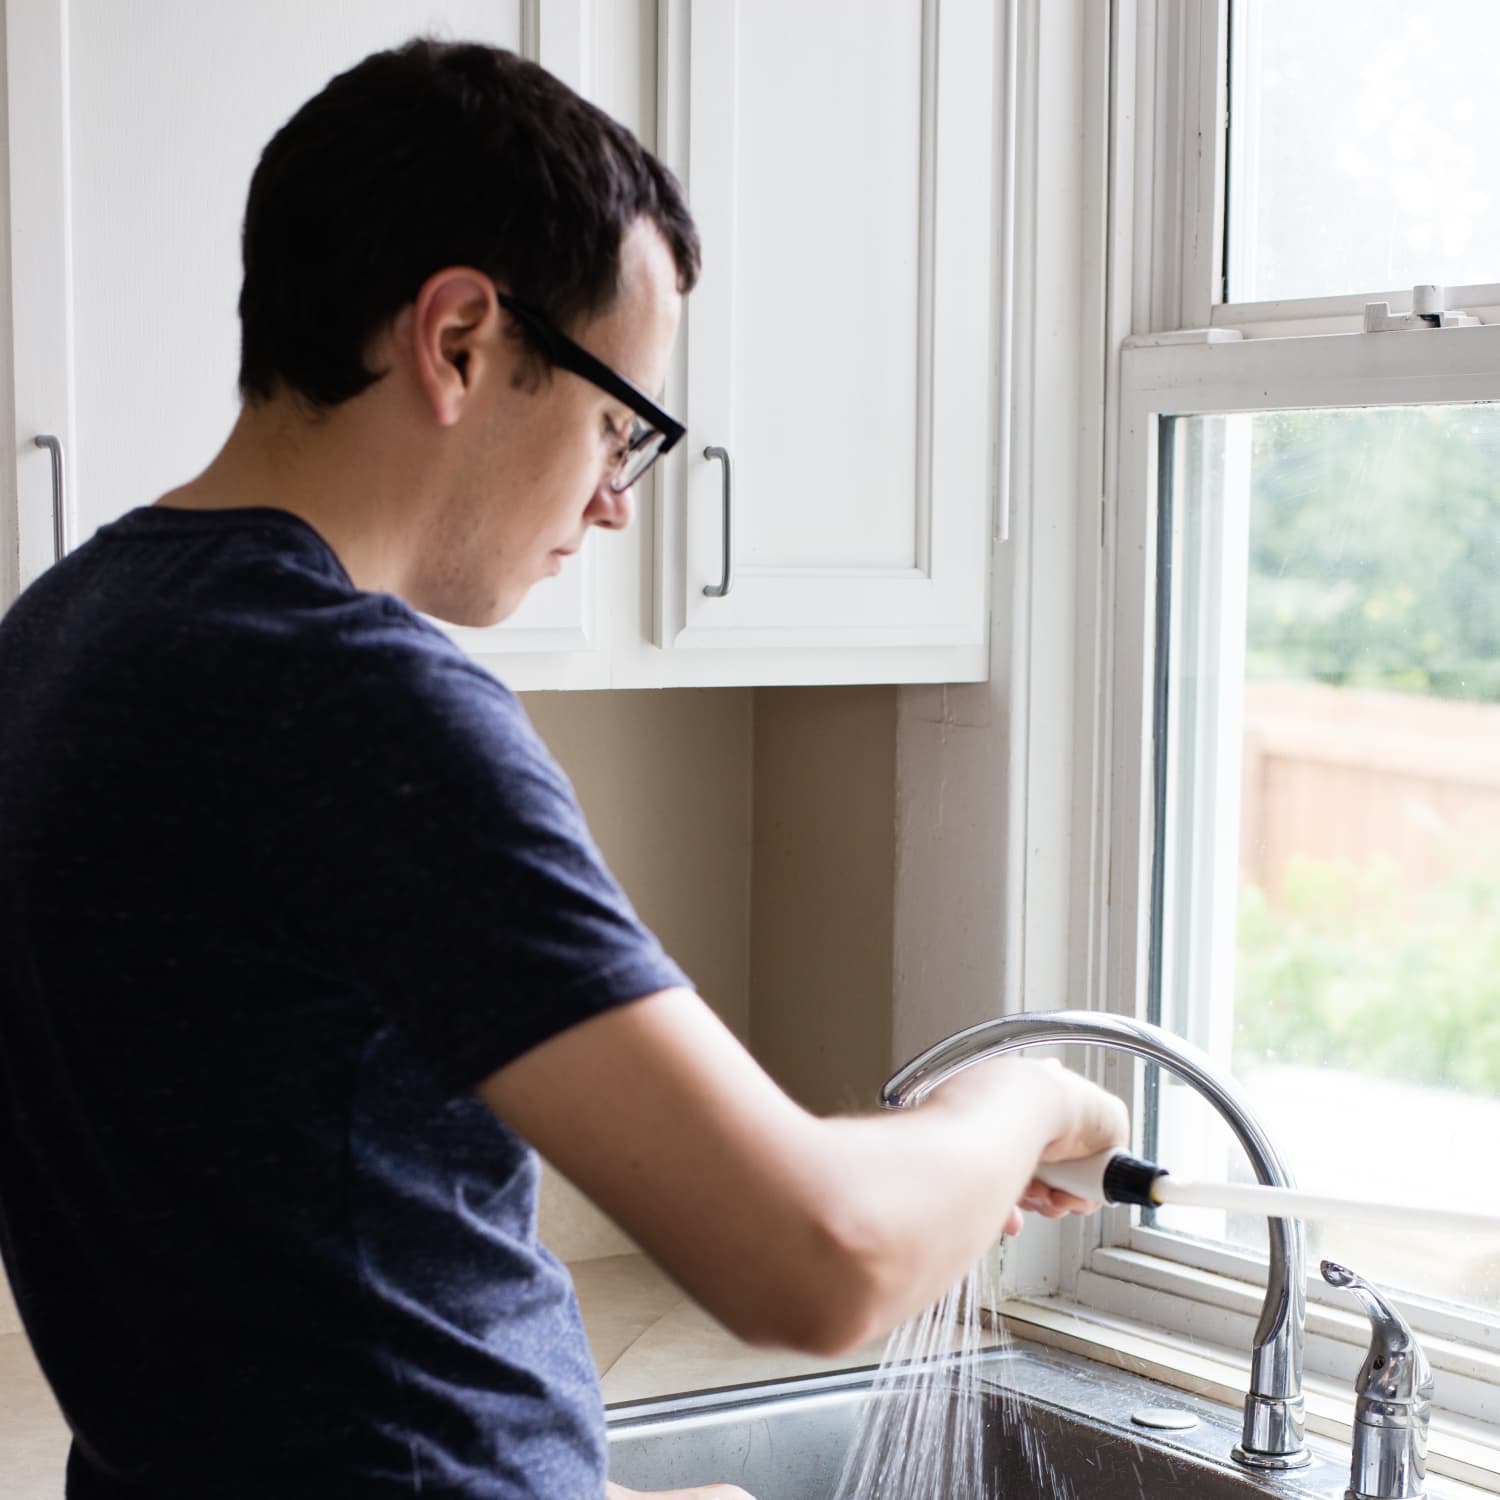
(1329, 820)
(1361, 136)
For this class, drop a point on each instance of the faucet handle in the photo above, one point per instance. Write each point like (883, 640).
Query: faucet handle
(1393, 1396)
(1396, 1369)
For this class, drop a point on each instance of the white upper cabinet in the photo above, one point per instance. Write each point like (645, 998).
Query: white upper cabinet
(840, 161)
(138, 127)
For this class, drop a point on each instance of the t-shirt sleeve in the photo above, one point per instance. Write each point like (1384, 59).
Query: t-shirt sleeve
(436, 851)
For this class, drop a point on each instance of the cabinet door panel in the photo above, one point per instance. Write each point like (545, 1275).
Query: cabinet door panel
(825, 318)
(840, 159)
(150, 119)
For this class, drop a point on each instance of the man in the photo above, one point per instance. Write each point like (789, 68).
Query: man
(306, 950)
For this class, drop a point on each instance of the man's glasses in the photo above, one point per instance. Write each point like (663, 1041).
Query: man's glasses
(651, 434)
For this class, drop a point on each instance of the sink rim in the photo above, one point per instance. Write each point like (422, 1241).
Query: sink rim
(1050, 1379)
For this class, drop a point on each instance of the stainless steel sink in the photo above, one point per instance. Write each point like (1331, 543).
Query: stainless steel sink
(1054, 1425)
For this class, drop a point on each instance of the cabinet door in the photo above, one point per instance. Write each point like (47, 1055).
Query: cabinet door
(840, 160)
(134, 131)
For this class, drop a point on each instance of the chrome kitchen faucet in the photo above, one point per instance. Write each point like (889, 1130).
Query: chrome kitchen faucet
(1272, 1436)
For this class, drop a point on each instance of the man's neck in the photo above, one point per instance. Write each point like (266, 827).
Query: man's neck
(330, 470)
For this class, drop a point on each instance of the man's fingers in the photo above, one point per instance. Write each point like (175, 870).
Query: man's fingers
(1053, 1203)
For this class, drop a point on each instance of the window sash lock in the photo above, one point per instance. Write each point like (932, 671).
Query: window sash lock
(1428, 310)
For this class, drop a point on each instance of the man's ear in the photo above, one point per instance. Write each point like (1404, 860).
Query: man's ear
(455, 331)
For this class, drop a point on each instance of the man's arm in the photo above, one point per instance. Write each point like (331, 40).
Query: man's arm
(818, 1234)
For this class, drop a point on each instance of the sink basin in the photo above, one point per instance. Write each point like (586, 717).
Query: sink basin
(1054, 1425)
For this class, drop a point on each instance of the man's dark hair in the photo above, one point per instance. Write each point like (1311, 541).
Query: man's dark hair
(433, 155)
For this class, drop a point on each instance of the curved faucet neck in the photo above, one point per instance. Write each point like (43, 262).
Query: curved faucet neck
(1274, 1419)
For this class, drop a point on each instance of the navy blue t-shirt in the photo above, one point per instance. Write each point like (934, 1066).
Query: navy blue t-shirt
(283, 875)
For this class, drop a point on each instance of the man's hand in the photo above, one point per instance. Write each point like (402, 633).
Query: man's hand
(1049, 1202)
(816, 1234)
(700, 1492)
(1094, 1121)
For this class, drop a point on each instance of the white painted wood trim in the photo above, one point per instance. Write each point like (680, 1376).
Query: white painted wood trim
(791, 666)
(993, 779)
(1156, 1256)
(40, 266)
(1200, 130)
(1171, 66)
(955, 501)
(698, 63)
(669, 498)
(1433, 365)
(559, 35)
(1223, 1307)
(1343, 314)
(926, 289)
(10, 541)
(1007, 123)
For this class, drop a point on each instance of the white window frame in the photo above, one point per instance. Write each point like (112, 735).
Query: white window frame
(1164, 250)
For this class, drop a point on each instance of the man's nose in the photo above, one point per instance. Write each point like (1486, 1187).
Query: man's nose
(612, 511)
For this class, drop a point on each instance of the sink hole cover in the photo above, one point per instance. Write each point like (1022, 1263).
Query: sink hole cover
(1164, 1418)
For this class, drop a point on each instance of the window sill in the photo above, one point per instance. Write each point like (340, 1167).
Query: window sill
(1467, 1452)
(1234, 1284)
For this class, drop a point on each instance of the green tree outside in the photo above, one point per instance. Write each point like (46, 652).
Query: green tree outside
(1375, 564)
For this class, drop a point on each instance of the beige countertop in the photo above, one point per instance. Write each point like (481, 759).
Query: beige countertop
(33, 1437)
(650, 1339)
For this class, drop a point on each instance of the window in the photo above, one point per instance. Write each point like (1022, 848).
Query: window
(1299, 731)
(1358, 161)
(1330, 831)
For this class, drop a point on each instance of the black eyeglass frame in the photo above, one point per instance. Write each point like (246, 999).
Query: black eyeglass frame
(567, 355)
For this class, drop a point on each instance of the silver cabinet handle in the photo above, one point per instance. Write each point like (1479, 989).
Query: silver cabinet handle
(54, 446)
(718, 590)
